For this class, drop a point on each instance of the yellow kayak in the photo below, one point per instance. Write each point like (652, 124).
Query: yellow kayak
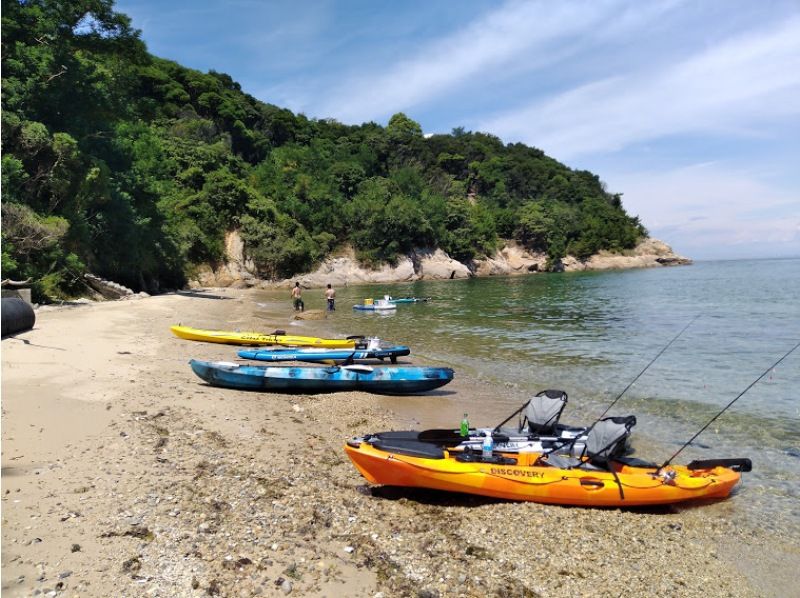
(279, 337)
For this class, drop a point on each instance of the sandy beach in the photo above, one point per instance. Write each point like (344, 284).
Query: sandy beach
(124, 475)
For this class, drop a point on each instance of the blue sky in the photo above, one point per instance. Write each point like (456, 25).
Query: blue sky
(690, 109)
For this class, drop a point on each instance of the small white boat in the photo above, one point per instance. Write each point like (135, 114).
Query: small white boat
(376, 305)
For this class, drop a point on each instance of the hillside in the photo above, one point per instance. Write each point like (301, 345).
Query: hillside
(135, 168)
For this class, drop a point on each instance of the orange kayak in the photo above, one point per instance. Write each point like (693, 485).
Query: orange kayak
(520, 476)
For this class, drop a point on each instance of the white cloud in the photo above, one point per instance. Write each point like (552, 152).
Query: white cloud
(710, 211)
(732, 88)
(529, 31)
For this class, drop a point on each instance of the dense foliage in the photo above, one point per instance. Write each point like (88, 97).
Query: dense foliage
(134, 167)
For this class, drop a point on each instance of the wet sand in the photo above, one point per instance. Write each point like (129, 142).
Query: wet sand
(125, 475)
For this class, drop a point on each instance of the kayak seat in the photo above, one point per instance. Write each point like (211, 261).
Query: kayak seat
(606, 440)
(413, 448)
(542, 412)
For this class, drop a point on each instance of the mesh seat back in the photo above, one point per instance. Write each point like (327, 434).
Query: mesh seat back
(543, 411)
(608, 437)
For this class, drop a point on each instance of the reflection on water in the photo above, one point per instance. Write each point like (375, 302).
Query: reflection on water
(592, 333)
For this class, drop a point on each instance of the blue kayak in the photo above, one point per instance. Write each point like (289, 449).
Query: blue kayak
(313, 354)
(390, 380)
(408, 300)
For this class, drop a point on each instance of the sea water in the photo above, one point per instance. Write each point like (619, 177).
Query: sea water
(592, 333)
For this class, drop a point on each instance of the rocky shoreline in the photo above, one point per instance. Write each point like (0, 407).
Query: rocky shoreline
(124, 475)
(426, 264)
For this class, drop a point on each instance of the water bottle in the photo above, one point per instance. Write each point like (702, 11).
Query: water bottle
(465, 426)
(488, 445)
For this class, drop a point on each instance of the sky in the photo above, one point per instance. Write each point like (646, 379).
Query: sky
(690, 109)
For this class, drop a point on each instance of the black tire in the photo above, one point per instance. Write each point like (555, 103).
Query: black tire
(18, 316)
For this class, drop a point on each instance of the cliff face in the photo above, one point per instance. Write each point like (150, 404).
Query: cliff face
(429, 264)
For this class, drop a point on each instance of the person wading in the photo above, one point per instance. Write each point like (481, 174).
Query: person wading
(297, 298)
(330, 296)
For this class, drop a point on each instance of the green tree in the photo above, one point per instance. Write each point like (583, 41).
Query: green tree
(535, 226)
(401, 128)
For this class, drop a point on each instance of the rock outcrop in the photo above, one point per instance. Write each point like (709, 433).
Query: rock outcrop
(511, 259)
(238, 271)
(343, 268)
(437, 265)
(650, 253)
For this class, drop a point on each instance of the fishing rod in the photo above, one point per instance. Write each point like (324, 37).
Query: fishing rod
(753, 383)
(652, 361)
(619, 396)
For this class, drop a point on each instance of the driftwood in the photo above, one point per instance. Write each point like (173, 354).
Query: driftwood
(7, 282)
(107, 288)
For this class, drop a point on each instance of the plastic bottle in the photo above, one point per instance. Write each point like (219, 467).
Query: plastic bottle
(488, 445)
(465, 426)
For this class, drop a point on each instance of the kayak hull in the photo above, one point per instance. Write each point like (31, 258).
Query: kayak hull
(258, 338)
(525, 481)
(307, 379)
(401, 300)
(315, 355)
(377, 305)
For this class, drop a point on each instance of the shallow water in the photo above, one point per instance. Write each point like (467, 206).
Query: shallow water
(592, 333)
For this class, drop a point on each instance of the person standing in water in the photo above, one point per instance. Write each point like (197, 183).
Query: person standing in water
(330, 295)
(297, 297)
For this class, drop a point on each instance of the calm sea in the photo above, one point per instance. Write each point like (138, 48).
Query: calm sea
(592, 333)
